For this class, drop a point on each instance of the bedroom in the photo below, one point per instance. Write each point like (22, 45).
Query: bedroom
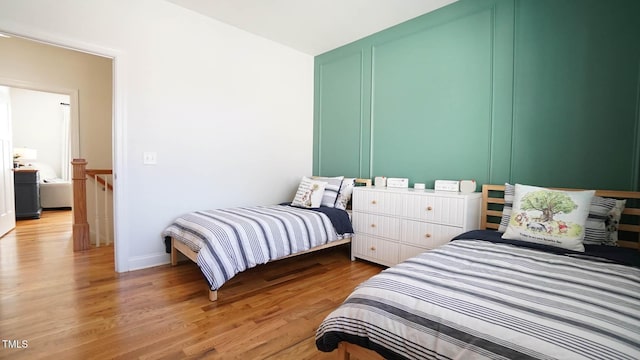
(157, 94)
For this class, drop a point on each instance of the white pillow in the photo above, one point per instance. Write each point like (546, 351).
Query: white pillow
(549, 217)
(331, 190)
(309, 194)
(346, 189)
(597, 230)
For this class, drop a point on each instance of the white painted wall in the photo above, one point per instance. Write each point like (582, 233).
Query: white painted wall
(37, 122)
(229, 114)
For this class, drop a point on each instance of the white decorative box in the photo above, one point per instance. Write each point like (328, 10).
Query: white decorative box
(447, 185)
(397, 182)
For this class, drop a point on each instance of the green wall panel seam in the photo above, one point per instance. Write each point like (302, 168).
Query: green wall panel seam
(513, 92)
(362, 106)
(492, 95)
(636, 154)
(371, 112)
(317, 124)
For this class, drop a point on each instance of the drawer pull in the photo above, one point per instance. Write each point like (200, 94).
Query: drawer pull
(373, 202)
(427, 235)
(373, 248)
(429, 208)
(373, 225)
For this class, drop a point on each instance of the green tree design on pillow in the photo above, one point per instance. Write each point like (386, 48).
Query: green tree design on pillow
(549, 203)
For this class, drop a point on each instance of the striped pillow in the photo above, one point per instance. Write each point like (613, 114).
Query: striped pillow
(509, 191)
(331, 190)
(595, 227)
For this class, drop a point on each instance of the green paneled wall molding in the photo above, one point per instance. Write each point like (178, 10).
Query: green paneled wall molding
(542, 92)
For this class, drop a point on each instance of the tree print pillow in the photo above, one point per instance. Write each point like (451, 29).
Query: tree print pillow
(549, 217)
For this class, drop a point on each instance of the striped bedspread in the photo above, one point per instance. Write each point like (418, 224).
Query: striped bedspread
(472, 299)
(232, 240)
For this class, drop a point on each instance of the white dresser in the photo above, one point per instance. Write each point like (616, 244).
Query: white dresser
(392, 225)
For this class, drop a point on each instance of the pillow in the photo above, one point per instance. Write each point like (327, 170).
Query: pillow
(331, 190)
(507, 209)
(344, 196)
(309, 194)
(612, 222)
(595, 227)
(550, 217)
(596, 231)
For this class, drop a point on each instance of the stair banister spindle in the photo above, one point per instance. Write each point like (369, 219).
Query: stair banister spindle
(96, 216)
(106, 212)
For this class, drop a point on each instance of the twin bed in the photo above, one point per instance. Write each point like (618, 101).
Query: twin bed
(478, 297)
(483, 297)
(224, 242)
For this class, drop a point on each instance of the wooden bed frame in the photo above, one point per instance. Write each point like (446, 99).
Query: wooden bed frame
(492, 204)
(178, 247)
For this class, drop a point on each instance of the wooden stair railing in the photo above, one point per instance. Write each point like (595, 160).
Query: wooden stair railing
(81, 237)
(94, 172)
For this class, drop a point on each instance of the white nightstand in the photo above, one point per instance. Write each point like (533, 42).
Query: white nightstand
(392, 225)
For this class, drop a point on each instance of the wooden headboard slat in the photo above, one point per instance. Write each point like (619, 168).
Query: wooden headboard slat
(629, 224)
(629, 244)
(631, 228)
(628, 211)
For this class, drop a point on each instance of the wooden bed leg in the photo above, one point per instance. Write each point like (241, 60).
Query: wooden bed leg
(174, 253)
(213, 295)
(343, 354)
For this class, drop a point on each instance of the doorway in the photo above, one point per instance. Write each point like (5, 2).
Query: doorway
(41, 121)
(86, 78)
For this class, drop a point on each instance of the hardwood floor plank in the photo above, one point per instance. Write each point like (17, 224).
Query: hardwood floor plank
(74, 306)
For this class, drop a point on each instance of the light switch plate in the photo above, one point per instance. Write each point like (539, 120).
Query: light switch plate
(150, 158)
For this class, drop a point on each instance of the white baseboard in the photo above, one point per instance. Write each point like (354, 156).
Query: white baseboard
(147, 261)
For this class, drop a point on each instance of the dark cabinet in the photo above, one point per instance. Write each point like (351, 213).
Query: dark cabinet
(27, 193)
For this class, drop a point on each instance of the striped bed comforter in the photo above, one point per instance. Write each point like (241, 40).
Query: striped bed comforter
(473, 299)
(229, 241)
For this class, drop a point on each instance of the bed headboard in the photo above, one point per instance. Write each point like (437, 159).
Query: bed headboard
(628, 231)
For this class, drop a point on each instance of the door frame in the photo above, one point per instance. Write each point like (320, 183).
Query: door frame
(8, 213)
(120, 219)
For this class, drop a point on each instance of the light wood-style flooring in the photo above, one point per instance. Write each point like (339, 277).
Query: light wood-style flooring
(56, 304)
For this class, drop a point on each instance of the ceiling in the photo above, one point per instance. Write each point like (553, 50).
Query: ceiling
(312, 26)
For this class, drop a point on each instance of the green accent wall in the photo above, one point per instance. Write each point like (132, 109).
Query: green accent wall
(531, 91)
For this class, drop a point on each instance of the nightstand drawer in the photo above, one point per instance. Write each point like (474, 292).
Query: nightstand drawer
(378, 202)
(427, 235)
(378, 225)
(442, 210)
(374, 249)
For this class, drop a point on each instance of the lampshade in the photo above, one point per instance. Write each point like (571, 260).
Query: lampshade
(25, 154)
